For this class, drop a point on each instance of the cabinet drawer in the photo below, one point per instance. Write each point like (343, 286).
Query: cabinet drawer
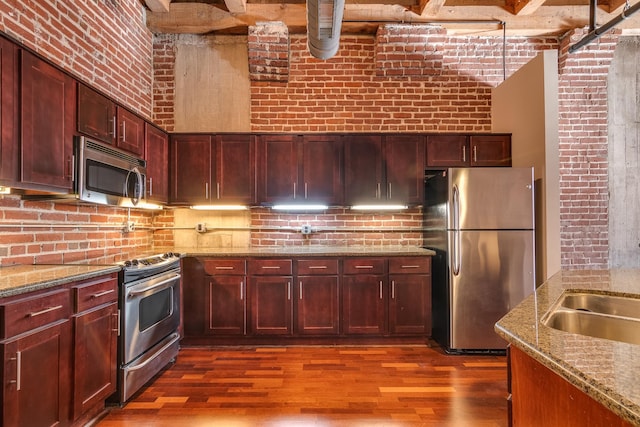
(225, 266)
(94, 293)
(276, 267)
(32, 312)
(364, 266)
(410, 265)
(307, 267)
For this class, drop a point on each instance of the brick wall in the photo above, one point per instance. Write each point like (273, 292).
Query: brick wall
(107, 45)
(104, 43)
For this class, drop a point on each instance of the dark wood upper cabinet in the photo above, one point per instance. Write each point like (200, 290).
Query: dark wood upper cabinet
(212, 169)
(384, 169)
(157, 156)
(190, 168)
(104, 120)
(300, 169)
(48, 99)
(454, 150)
(490, 150)
(233, 169)
(9, 159)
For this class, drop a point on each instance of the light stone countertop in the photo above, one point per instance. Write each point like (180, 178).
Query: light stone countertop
(291, 251)
(608, 371)
(19, 279)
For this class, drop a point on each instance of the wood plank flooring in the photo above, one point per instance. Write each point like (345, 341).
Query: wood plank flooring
(321, 386)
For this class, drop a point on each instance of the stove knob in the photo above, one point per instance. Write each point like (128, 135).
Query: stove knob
(134, 262)
(127, 263)
(176, 254)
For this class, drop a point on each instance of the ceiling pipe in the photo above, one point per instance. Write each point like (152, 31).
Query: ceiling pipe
(597, 32)
(324, 23)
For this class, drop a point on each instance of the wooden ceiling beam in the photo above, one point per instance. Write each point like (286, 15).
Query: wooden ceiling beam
(202, 18)
(159, 6)
(236, 6)
(430, 7)
(523, 7)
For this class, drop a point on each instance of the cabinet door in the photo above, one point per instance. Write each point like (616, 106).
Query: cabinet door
(405, 158)
(36, 388)
(190, 168)
(363, 304)
(490, 150)
(271, 305)
(96, 115)
(317, 305)
(157, 156)
(95, 361)
(447, 150)
(130, 132)
(363, 166)
(227, 308)
(278, 160)
(9, 160)
(234, 169)
(47, 123)
(321, 170)
(410, 304)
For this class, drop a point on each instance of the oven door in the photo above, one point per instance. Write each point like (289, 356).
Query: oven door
(151, 312)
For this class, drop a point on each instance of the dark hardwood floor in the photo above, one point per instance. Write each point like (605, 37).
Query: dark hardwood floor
(321, 386)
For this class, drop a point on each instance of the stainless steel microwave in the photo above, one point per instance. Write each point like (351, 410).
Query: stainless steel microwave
(107, 175)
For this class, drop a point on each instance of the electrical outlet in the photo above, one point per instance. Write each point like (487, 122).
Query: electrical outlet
(201, 227)
(305, 229)
(129, 227)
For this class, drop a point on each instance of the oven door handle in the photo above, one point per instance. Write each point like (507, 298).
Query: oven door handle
(164, 284)
(174, 337)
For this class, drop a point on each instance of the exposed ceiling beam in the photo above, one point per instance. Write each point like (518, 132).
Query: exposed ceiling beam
(159, 6)
(523, 7)
(201, 18)
(236, 6)
(430, 7)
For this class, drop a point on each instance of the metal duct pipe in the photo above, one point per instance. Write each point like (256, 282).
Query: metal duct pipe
(595, 33)
(324, 21)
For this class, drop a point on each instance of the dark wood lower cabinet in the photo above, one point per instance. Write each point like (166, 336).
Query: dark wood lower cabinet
(318, 304)
(410, 304)
(363, 305)
(227, 314)
(37, 377)
(271, 306)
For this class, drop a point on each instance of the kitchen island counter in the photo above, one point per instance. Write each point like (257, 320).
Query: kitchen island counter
(607, 371)
(302, 251)
(20, 279)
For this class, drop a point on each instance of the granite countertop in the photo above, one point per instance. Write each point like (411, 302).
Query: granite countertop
(608, 371)
(20, 279)
(309, 251)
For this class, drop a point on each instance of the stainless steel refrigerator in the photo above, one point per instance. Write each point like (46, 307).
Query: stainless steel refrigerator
(480, 222)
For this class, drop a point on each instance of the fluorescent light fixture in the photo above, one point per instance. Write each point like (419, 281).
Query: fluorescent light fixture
(126, 203)
(219, 207)
(300, 207)
(379, 207)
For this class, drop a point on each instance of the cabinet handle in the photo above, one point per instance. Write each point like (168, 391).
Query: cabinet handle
(410, 266)
(117, 328)
(317, 267)
(73, 167)
(289, 291)
(103, 293)
(241, 291)
(393, 289)
(206, 190)
(389, 191)
(380, 289)
(217, 190)
(305, 190)
(475, 153)
(18, 360)
(151, 186)
(464, 153)
(222, 267)
(301, 289)
(114, 132)
(124, 131)
(294, 190)
(270, 267)
(46, 310)
(377, 190)
(364, 266)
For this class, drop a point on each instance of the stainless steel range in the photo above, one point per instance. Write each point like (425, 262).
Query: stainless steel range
(149, 320)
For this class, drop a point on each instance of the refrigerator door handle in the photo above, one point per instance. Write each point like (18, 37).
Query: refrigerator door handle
(456, 230)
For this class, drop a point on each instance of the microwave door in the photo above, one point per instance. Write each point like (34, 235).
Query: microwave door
(134, 186)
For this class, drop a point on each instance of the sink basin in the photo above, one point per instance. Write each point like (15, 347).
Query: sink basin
(610, 317)
(603, 304)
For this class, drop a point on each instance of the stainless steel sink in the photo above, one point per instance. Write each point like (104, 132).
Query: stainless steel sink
(604, 304)
(610, 317)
